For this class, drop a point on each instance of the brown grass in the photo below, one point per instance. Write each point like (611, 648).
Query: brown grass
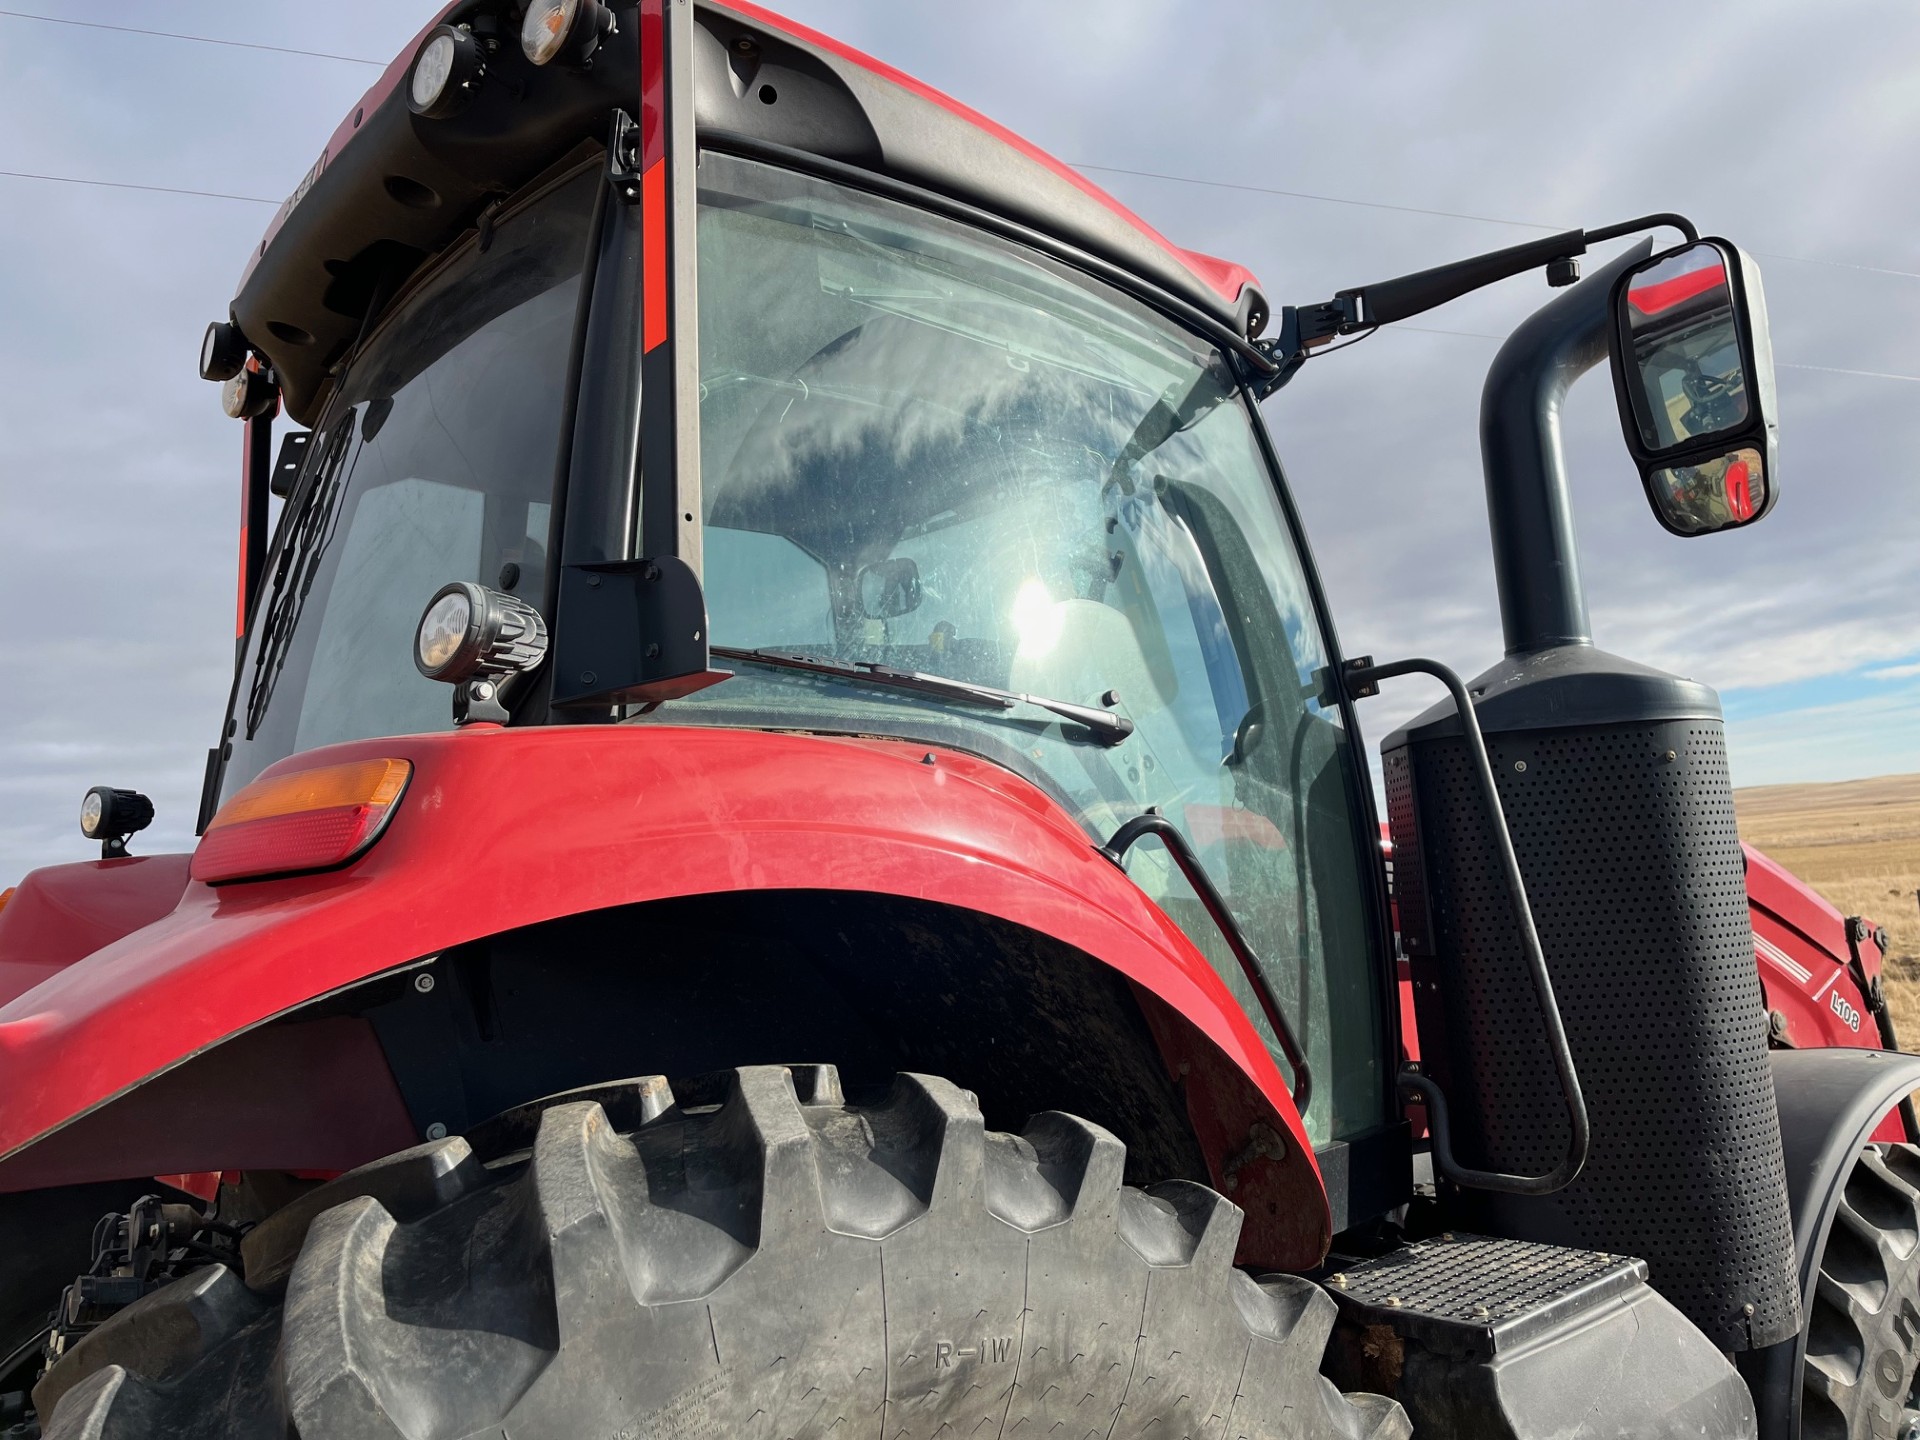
(1858, 844)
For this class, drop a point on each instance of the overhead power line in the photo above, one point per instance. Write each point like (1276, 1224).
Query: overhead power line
(124, 185)
(194, 39)
(1451, 214)
(1778, 364)
(1323, 199)
(1099, 169)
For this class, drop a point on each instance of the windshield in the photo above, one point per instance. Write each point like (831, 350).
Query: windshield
(930, 452)
(435, 463)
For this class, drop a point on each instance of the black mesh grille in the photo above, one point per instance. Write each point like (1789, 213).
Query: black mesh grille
(1626, 837)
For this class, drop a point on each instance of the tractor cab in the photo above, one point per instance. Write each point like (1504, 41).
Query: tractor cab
(783, 593)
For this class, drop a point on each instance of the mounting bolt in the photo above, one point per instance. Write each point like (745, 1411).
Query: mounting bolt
(423, 982)
(1481, 1312)
(1521, 766)
(1392, 1302)
(1338, 1281)
(929, 758)
(436, 1131)
(1777, 1024)
(1747, 1309)
(593, 582)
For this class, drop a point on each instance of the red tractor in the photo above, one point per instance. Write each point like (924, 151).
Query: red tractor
(784, 593)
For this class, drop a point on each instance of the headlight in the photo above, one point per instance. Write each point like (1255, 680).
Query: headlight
(468, 630)
(565, 30)
(445, 72)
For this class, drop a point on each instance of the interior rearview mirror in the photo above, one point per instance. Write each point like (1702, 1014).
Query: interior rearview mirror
(890, 588)
(1693, 376)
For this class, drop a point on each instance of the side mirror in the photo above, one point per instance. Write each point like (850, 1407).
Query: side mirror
(1693, 375)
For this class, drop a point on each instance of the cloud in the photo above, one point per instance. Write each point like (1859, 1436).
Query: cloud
(1847, 740)
(1895, 672)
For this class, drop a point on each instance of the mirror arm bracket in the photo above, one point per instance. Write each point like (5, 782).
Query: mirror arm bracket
(1305, 328)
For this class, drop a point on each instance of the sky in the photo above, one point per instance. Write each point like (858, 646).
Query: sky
(1322, 144)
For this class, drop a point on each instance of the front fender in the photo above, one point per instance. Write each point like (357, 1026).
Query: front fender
(504, 828)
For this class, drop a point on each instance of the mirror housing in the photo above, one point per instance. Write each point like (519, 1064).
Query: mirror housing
(1693, 378)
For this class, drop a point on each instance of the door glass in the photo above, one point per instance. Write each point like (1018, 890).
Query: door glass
(927, 450)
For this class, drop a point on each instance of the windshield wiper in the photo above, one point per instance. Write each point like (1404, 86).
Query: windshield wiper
(1106, 727)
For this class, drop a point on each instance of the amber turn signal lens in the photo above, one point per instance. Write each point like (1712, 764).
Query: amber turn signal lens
(303, 820)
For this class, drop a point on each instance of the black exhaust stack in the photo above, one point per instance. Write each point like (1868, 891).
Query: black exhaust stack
(1613, 779)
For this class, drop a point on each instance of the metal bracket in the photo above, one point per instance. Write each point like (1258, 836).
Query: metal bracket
(631, 632)
(623, 157)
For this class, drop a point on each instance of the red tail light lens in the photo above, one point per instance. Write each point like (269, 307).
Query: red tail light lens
(306, 820)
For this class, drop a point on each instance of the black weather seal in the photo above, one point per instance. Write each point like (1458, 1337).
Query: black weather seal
(1154, 823)
(747, 147)
(1361, 678)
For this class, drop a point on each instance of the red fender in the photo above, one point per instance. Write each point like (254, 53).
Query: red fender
(1800, 942)
(502, 828)
(64, 912)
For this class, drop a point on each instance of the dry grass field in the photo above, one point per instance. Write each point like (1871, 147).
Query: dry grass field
(1858, 844)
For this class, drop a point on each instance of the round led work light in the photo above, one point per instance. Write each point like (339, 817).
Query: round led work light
(447, 68)
(223, 352)
(110, 816)
(248, 394)
(565, 30)
(469, 631)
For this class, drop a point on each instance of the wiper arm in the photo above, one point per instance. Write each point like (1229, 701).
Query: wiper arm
(1106, 727)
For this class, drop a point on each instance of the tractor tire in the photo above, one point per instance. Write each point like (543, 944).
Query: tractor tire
(779, 1264)
(1863, 1325)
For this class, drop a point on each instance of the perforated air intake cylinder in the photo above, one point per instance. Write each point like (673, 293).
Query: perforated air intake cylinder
(1614, 782)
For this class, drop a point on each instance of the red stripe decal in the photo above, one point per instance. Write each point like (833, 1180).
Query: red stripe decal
(653, 256)
(240, 595)
(653, 84)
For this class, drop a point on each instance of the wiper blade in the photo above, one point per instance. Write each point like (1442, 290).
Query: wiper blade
(1106, 727)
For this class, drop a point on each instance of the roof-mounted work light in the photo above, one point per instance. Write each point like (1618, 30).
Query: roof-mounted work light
(565, 30)
(446, 71)
(223, 352)
(479, 641)
(248, 394)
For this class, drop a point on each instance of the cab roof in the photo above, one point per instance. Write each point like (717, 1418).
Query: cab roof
(392, 188)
